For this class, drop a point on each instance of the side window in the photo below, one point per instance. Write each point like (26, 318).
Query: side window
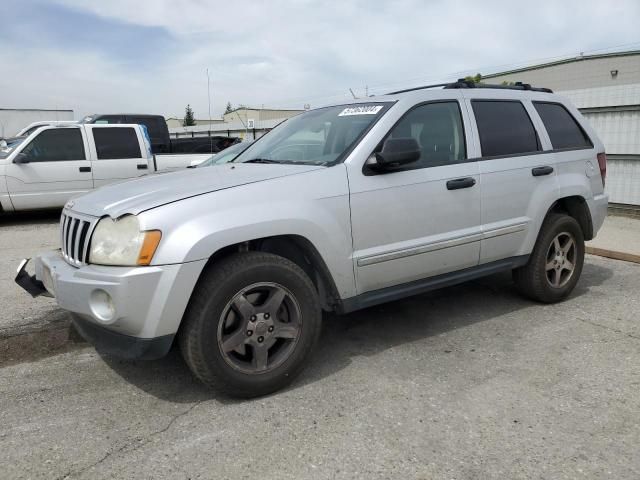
(438, 129)
(116, 143)
(504, 127)
(562, 128)
(56, 145)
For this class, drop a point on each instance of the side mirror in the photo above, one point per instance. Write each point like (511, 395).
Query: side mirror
(21, 158)
(395, 153)
(3, 144)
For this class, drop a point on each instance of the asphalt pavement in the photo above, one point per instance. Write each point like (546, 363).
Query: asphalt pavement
(469, 382)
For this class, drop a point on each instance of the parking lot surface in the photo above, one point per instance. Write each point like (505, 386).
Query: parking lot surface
(467, 382)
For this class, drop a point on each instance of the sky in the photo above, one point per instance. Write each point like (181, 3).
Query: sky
(151, 56)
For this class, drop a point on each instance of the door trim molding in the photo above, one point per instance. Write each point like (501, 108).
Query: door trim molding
(418, 249)
(439, 245)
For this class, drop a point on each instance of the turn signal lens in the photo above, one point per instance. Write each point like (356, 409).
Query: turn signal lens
(149, 246)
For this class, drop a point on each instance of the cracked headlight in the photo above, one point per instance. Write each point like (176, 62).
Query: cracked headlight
(120, 242)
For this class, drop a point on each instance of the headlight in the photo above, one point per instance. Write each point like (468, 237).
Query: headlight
(120, 242)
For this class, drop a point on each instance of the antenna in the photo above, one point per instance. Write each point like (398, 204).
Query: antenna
(209, 99)
(354, 95)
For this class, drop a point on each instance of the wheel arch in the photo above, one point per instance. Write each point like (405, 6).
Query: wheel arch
(297, 249)
(575, 206)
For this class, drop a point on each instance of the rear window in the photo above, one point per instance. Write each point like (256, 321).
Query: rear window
(564, 131)
(116, 143)
(504, 127)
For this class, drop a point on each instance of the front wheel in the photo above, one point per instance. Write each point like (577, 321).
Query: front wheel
(251, 324)
(556, 262)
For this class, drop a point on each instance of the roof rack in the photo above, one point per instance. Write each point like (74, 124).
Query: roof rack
(462, 83)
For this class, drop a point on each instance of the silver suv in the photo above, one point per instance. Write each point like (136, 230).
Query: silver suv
(337, 209)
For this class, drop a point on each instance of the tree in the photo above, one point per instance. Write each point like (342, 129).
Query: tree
(189, 120)
(475, 79)
(229, 108)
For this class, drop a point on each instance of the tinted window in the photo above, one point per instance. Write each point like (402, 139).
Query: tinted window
(505, 128)
(155, 126)
(56, 145)
(116, 143)
(437, 127)
(563, 130)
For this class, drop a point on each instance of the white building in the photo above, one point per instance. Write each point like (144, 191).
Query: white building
(12, 120)
(606, 89)
(244, 122)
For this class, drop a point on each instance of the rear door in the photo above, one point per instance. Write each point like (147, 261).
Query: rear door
(518, 177)
(116, 153)
(58, 169)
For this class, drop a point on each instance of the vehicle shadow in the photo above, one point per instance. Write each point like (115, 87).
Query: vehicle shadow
(365, 333)
(35, 217)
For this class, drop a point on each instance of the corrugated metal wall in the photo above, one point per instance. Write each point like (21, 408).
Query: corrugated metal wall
(620, 133)
(623, 181)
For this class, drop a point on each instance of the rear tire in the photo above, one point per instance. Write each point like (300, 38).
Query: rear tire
(251, 325)
(556, 262)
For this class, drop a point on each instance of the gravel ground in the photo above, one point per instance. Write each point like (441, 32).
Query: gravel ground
(470, 382)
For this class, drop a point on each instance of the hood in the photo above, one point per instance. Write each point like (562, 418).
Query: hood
(135, 196)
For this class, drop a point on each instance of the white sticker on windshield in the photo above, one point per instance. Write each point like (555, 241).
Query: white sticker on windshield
(363, 110)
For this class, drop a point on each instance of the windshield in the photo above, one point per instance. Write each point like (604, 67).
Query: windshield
(317, 137)
(226, 155)
(12, 143)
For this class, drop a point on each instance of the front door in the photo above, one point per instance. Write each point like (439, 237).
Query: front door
(424, 219)
(57, 170)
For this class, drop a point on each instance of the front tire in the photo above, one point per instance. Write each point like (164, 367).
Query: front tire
(251, 324)
(556, 262)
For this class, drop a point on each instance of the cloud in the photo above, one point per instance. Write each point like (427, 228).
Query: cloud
(151, 55)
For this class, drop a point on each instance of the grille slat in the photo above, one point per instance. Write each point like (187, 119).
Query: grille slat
(75, 232)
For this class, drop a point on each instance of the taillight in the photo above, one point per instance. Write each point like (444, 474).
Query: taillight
(602, 163)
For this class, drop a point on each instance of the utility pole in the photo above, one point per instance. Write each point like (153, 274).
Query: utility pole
(209, 99)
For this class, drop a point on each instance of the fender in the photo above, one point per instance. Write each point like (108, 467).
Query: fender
(5, 199)
(314, 205)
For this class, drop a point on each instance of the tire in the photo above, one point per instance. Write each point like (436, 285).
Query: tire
(545, 278)
(234, 317)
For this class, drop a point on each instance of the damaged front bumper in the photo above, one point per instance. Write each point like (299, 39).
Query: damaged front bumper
(30, 283)
(131, 312)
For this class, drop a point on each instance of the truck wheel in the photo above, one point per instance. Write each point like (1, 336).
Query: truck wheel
(251, 324)
(556, 262)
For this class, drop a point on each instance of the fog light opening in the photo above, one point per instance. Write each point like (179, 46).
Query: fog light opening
(102, 305)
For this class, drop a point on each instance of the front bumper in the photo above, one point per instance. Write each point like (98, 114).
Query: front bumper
(132, 312)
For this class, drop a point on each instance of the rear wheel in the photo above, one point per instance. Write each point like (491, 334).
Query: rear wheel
(556, 262)
(251, 325)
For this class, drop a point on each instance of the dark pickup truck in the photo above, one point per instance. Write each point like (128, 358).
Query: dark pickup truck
(159, 134)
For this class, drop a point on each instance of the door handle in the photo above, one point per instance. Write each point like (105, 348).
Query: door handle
(142, 166)
(84, 169)
(540, 171)
(458, 183)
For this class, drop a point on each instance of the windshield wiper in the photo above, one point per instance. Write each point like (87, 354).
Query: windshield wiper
(262, 160)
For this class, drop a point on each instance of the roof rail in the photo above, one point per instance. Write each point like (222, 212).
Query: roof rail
(419, 88)
(462, 83)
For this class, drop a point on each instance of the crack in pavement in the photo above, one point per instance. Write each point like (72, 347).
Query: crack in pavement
(630, 335)
(140, 444)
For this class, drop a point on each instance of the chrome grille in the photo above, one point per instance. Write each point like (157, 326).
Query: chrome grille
(75, 233)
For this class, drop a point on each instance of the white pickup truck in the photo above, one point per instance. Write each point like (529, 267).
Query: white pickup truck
(54, 163)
